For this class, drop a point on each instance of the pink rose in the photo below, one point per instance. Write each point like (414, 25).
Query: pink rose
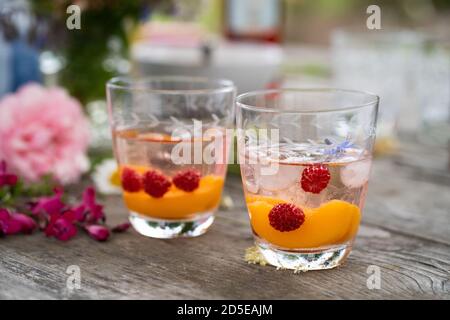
(43, 131)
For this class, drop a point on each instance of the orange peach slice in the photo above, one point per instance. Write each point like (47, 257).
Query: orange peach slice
(334, 222)
(176, 203)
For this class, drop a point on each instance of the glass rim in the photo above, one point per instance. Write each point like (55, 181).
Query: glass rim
(373, 102)
(141, 84)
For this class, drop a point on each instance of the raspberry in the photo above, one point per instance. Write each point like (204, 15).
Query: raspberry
(286, 217)
(315, 178)
(187, 180)
(155, 184)
(131, 180)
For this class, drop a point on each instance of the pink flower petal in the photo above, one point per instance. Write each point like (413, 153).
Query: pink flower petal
(27, 224)
(4, 214)
(121, 227)
(7, 225)
(62, 229)
(49, 205)
(92, 211)
(98, 232)
(6, 179)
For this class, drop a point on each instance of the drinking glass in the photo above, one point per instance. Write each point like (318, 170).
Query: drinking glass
(433, 90)
(171, 144)
(305, 158)
(385, 62)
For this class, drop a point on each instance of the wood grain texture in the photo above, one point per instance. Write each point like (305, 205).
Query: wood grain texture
(405, 232)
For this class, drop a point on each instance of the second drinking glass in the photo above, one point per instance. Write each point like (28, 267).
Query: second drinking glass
(305, 160)
(171, 144)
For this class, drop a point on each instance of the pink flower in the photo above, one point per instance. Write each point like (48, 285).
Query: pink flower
(62, 226)
(43, 131)
(121, 227)
(49, 205)
(98, 232)
(7, 225)
(15, 223)
(89, 210)
(27, 224)
(6, 179)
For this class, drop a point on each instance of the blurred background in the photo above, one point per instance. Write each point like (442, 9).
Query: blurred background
(257, 44)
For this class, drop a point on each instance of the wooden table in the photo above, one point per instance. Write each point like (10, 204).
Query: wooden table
(405, 232)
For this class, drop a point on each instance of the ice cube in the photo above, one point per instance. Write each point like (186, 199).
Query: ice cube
(333, 192)
(356, 174)
(294, 194)
(282, 178)
(251, 177)
(314, 200)
(160, 158)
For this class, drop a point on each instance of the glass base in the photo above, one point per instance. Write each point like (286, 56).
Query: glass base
(304, 260)
(168, 229)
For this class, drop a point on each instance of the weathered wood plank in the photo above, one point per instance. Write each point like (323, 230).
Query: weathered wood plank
(212, 267)
(413, 255)
(402, 199)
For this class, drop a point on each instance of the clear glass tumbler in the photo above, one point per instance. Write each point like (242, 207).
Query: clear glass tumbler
(384, 62)
(170, 141)
(305, 157)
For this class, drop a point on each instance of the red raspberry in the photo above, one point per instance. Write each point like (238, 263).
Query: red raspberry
(187, 180)
(131, 180)
(286, 217)
(315, 178)
(155, 184)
